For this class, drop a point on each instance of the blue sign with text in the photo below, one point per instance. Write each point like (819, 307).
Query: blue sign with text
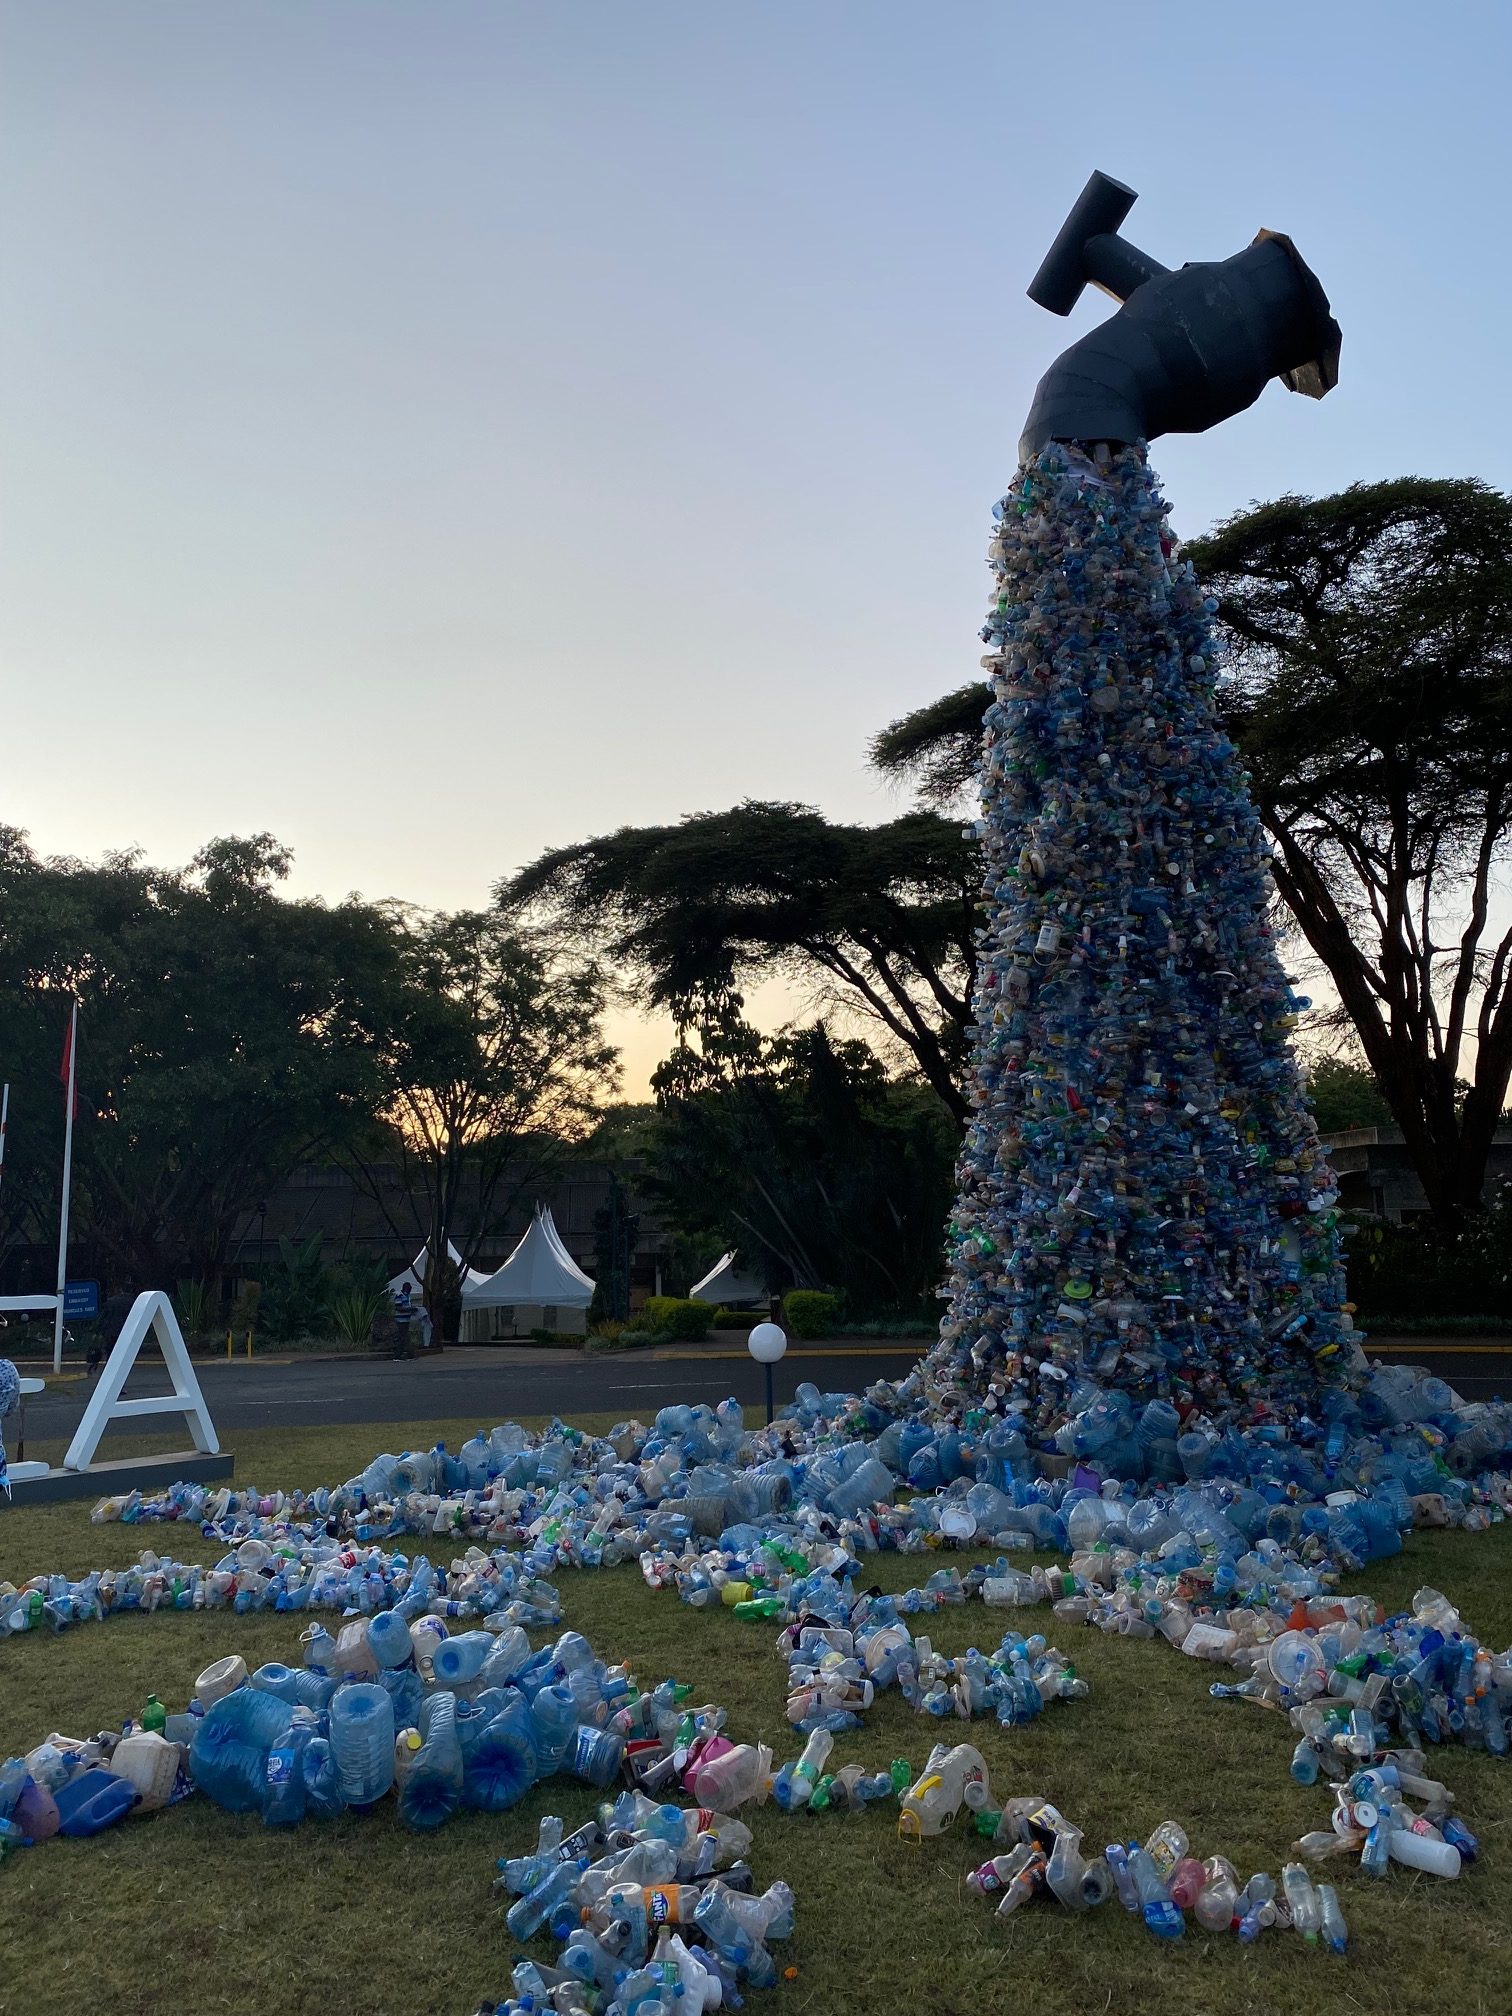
(81, 1301)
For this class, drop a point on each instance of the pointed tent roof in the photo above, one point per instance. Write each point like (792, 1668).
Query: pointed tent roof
(413, 1276)
(728, 1282)
(539, 1274)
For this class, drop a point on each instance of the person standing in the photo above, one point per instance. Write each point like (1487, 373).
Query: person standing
(404, 1316)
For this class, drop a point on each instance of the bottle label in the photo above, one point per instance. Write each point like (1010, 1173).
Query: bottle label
(280, 1767)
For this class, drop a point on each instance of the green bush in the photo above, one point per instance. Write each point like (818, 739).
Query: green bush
(810, 1312)
(194, 1304)
(737, 1319)
(683, 1319)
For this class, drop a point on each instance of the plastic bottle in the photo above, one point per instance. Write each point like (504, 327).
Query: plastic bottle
(501, 1766)
(1160, 1915)
(91, 1801)
(1302, 1900)
(733, 1941)
(154, 1715)
(285, 1794)
(458, 1660)
(528, 1914)
(795, 1782)
(553, 1715)
(1331, 1919)
(389, 1638)
(432, 1789)
(1419, 1851)
(362, 1741)
(1214, 1908)
(741, 1773)
(1166, 1846)
(36, 1812)
(1186, 1883)
(596, 1755)
(229, 1755)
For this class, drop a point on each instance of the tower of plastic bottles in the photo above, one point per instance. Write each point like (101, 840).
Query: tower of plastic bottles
(1142, 1202)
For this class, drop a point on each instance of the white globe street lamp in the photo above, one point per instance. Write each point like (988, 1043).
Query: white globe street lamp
(766, 1345)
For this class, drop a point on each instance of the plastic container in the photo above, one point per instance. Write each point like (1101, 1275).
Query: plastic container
(91, 1801)
(219, 1678)
(228, 1757)
(295, 1684)
(389, 1638)
(432, 1788)
(151, 1763)
(362, 1742)
(501, 1766)
(456, 1661)
(728, 1781)
(596, 1756)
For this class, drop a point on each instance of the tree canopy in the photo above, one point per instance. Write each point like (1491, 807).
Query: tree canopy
(800, 1152)
(1369, 683)
(1368, 639)
(497, 1064)
(881, 917)
(229, 1032)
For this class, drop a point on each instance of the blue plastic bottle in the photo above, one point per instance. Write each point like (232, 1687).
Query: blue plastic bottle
(285, 1794)
(362, 1742)
(432, 1790)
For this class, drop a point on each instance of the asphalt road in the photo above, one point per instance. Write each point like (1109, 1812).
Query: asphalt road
(490, 1385)
(477, 1383)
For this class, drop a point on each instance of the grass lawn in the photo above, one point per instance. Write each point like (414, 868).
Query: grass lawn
(196, 1910)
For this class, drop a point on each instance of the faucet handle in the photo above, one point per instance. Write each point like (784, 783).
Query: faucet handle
(1089, 250)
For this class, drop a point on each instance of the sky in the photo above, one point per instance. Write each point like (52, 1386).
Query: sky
(439, 431)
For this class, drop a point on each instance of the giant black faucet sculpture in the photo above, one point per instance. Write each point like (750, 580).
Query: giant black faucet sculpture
(1144, 1238)
(1187, 348)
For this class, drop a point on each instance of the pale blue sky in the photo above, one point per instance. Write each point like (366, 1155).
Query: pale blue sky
(437, 431)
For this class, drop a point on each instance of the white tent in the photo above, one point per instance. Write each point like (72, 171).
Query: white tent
(540, 1276)
(728, 1284)
(413, 1276)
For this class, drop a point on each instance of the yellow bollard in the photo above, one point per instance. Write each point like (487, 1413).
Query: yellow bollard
(249, 1344)
(228, 1344)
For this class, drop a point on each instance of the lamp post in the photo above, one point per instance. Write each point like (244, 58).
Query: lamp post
(766, 1345)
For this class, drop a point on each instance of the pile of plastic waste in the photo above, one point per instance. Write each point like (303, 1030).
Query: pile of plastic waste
(654, 1908)
(1143, 1203)
(1227, 1539)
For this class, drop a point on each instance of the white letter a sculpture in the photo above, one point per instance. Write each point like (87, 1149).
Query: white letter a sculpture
(151, 1311)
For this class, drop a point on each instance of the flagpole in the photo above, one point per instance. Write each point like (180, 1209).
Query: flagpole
(4, 1116)
(68, 1122)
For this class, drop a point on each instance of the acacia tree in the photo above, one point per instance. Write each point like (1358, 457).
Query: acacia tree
(1369, 687)
(499, 1064)
(1369, 684)
(881, 917)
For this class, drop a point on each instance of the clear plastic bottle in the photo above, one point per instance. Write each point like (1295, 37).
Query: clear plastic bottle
(1166, 1846)
(1302, 1900)
(1331, 1919)
(1218, 1897)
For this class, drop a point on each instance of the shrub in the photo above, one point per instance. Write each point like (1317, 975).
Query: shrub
(683, 1319)
(628, 1338)
(195, 1307)
(737, 1319)
(354, 1311)
(810, 1312)
(609, 1331)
